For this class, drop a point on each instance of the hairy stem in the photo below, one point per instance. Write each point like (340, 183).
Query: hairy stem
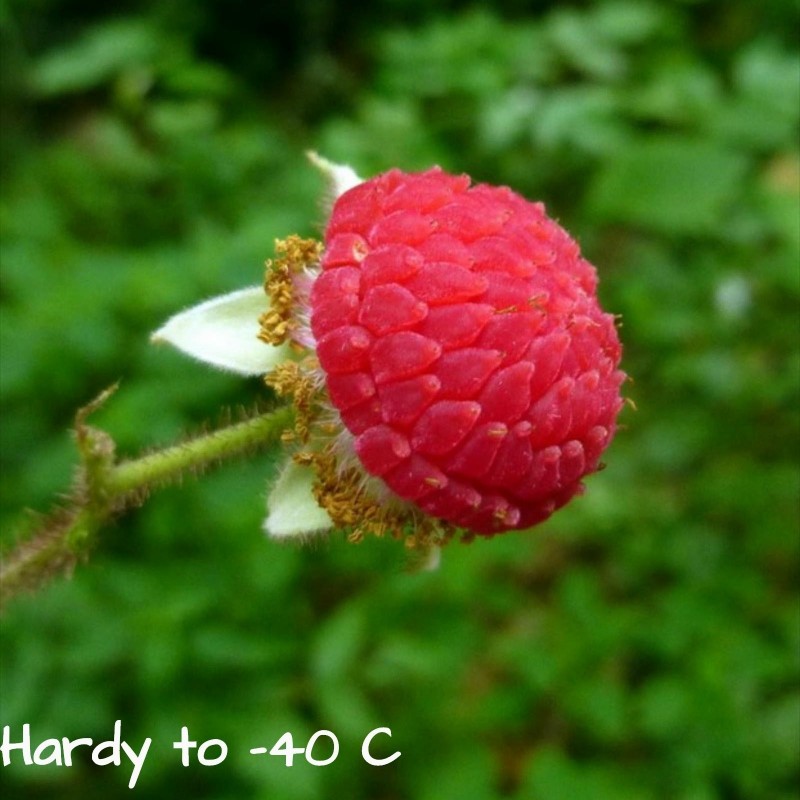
(107, 489)
(197, 454)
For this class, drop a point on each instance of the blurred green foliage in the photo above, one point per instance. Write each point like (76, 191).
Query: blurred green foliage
(641, 645)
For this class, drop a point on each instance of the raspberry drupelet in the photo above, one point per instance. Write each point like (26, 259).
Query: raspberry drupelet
(464, 348)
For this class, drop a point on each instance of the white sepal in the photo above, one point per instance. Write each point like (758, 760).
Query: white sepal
(431, 559)
(339, 177)
(223, 332)
(292, 511)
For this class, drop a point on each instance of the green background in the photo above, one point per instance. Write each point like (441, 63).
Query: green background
(643, 644)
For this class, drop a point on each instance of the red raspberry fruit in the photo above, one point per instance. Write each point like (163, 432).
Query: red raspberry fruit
(464, 348)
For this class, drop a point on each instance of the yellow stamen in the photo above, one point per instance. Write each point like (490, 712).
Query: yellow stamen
(295, 255)
(295, 379)
(343, 495)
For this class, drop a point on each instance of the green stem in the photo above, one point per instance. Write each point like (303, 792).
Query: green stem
(197, 454)
(109, 489)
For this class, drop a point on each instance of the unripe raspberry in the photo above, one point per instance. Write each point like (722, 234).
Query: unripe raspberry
(464, 348)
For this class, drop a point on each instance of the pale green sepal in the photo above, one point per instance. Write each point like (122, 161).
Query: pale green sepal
(425, 559)
(431, 560)
(292, 511)
(339, 177)
(223, 332)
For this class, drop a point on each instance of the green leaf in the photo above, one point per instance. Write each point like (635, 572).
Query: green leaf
(97, 56)
(671, 184)
(577, 38)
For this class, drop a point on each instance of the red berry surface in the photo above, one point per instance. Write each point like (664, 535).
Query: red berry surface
(463, 344)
